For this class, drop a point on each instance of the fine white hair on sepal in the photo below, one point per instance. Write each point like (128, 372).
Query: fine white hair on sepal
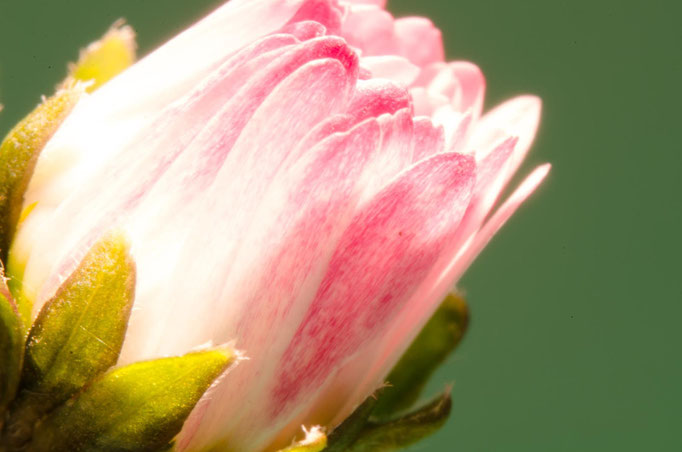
(312, 435)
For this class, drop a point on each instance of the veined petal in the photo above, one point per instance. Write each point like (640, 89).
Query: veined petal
(115, 113)
(130, 178)
(374, 32)
(396, 152)
(198, 166)
(305, 29)
(299, 223)
(306, 177)
(171, 126)
(310, 94)
(378, 96)
(325, 12)
(494, 168)
(332, 125)
(434, 288)
(158, 79)
(429, 139)
(381, 259)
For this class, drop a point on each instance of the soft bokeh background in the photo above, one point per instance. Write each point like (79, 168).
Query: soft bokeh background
(575, 343)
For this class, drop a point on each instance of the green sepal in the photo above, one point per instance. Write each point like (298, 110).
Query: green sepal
(399, 433)
(79, 333)
(315, 441)
(140, 407)
(351, 428)
(435, 342)
(106, 58)
(19, 153)
(11, 346)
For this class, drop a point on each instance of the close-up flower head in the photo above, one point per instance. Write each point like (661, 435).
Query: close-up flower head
(251, 238)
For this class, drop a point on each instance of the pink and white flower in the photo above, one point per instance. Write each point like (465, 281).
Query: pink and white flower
(308, 178)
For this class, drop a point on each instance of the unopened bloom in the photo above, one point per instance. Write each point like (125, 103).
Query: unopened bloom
(308, 178)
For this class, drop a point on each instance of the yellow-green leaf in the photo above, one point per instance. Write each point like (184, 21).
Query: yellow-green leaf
(19, 153)
(140, 407)
(79, 333)
(11, 346)
(104, 59)
(77, 336)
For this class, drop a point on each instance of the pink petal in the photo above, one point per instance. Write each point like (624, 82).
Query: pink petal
(444, 83)
(273, 287)
(200, 163)
(434, 288)
(490, 180)
(459, 85)
(310, 94)
(472, 87)
(456, 127)
(200, 103)
(381, 259)
(370, 30)
(325, 12)
(130, 179)
(429, 139)
(518, 117)
(83, 216)
(427, 103)
(419, 40)
(516, 120)
(395, 155)
(304, 30)
(114, 114)
(395, 68)
(379, 3)
(518, 197)
(376, 97)
(332, 125)
(428, 73)
(159, 79)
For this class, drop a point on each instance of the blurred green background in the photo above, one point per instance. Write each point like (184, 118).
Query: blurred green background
(575, 342)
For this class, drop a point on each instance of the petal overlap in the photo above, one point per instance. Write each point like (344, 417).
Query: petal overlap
(307, 178)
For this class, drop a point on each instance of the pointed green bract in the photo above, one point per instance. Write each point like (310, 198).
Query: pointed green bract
(11, 346)
(140, 407)
(79, 332)
(436, 341)
(315, 441)
(350, 429)
(399, 433)
(19, 153)
(77, 336)
(104, 59)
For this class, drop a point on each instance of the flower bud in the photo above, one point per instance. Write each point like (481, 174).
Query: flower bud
(308, 178)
